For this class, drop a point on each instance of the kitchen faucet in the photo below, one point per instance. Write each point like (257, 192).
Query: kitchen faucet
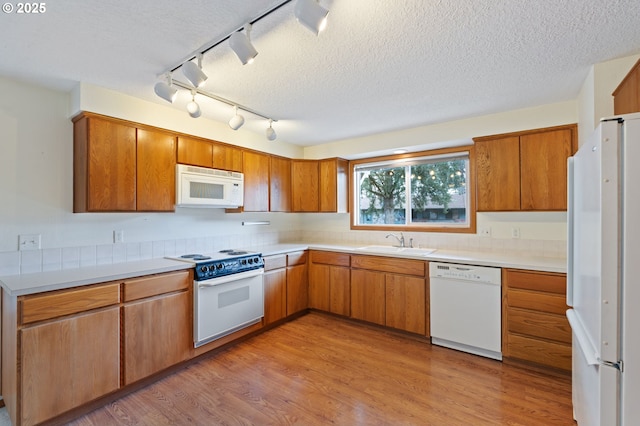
(400, 240)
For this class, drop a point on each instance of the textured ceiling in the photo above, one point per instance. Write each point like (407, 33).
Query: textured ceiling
(380, 65)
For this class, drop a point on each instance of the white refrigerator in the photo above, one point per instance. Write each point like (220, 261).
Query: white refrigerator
(603, 274)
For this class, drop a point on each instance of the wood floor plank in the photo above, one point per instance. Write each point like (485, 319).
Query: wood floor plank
(319, 369)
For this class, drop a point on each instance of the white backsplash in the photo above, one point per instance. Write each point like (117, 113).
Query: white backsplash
(54, 259)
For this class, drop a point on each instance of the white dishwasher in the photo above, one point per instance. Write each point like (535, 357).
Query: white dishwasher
(466, 308)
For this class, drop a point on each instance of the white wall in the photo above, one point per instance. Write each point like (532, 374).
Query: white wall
(36, 190)
(595, 100)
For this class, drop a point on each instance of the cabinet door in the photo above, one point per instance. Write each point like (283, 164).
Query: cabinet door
(304, 186)
(68, 362)
(280, 185)
(111, 165)
(157, 334)
(156, 176)
(543, 168)
(339, 290)
(406, 303)
(626, 97)
(368, 296)
(319, 285)
(227, 158)
(275, 295)
(498, 174)
(333, 185)
(297, 289)
(256, 182)
(195, 152)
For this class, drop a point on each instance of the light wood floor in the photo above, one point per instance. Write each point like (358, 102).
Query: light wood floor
(322, 370)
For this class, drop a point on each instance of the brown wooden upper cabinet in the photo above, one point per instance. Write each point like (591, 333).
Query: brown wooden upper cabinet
(280, 185)
(626, 97)
(256, 182)
(524, 170)
(319, 185)
(205, 153)
(118, 167)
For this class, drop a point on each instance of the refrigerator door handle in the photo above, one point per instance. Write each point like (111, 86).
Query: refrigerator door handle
(570, 211)
(584, 343)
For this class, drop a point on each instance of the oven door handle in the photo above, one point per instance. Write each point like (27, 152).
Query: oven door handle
(229, 278)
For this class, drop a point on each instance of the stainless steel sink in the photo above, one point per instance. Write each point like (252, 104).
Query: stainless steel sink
(413, 251)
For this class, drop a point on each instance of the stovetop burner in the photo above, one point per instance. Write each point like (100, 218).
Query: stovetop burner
(233, 252)
(195, 256)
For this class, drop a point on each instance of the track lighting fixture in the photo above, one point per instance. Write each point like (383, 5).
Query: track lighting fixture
(310, 14)
(237, 120)
(241, 45)
(194, 72)
(165, 90)
(271, 133)
(192, 107)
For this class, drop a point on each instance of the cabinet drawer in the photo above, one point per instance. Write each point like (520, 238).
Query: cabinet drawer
(275, 262)
(67, 302)
(390, 264)
(157, 284)
(544, 302)
(297, 258)
(557, 355)
(538, 324)
(330, 258)
(550, 283)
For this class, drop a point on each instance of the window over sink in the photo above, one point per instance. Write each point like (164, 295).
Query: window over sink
(426, 191)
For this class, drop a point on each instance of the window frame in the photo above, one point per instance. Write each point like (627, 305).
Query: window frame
(470, 184)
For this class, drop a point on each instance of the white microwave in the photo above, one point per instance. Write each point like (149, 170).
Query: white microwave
(203, 187)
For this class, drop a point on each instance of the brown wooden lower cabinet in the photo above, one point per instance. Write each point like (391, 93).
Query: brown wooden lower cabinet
(66, 363)
(390, 292)
(534, 326)
(63, 349)
(297, 282)
(329, 282)
(157, 329)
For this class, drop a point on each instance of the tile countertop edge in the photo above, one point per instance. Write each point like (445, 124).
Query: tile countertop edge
(39, 282)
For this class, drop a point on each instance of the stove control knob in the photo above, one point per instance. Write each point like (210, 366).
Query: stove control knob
(219, 266)
(256, 260)
(204, 269)
(250, 261)
(243, 261)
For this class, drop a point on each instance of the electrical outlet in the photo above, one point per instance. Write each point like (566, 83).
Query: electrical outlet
(29, 242)
(515, 232)
(118, 236)
(485, 232)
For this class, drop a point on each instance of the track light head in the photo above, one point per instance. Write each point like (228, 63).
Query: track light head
(192, 107)
(242, 46)
(165, 90)
(194, 73)
(271, 133)
(237, 120)
(310, 14)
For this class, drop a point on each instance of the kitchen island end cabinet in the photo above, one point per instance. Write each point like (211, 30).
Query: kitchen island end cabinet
(535, 328)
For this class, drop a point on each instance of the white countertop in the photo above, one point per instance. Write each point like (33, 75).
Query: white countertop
(483, 258)
(18, 285)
